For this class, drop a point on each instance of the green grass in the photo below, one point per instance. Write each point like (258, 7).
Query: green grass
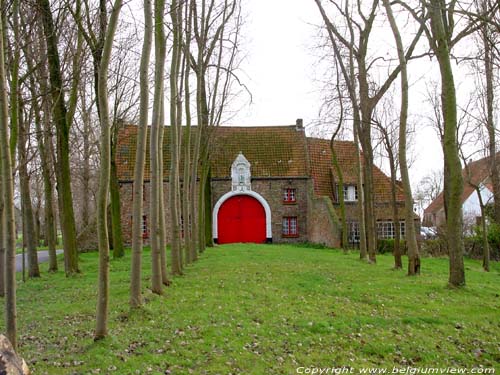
(264, 309)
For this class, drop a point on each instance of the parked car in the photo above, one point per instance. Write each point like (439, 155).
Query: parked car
(428, 233)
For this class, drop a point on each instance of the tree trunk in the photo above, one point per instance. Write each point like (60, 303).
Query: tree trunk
(187, 203)
(453, 181)
(490, 119)
(484, 235)
(363, 253)
(114, 189)
(156, 277)
(176, 15)
(27, 206)
(411, 236)
(8, 198)
(45, 147)
(86, 166)
(207, 207)
(137, 202)
(2, 236)
(59, 113)
(398, 264)
(162, 230)
(340, 194)
(104, 178)
(190, 253)
(15, 56)
(368, 187)
(43, 138)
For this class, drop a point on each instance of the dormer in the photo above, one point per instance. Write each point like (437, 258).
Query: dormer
(240, 174)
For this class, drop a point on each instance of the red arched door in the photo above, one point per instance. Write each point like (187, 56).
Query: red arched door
(241, 219)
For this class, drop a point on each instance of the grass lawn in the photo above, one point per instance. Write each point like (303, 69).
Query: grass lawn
(264, 309)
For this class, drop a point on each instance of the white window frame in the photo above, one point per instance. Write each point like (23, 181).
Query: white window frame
(350, 193)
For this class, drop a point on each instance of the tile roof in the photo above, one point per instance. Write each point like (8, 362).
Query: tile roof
(322, 169)
(273, 151)
(477, 172)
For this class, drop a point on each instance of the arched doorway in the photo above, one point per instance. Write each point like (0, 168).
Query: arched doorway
(241, 218)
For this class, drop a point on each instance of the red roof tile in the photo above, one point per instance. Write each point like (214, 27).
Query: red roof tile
(322, 170)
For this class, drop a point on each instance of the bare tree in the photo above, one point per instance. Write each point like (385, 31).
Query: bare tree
(137, 210)
(43, 137)
(8, 199)
(363, 94)
(211, 34)
(155, 181)
(489, 39)
(175, 128)
(411, 237)
(29, 235)
(437, 17)
(389, 140)
(104, 178)
(62, 120)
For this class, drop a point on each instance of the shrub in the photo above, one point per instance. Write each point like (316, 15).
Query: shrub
(435, 248)
(386, 245)
(474, 244)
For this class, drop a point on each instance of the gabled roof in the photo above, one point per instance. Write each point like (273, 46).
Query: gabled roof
(273, 151)
(325, 177)
(478, 172)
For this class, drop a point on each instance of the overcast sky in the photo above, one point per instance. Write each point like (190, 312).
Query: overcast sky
(280, 71)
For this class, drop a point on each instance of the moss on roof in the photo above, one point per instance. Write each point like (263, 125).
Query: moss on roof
(273, 151)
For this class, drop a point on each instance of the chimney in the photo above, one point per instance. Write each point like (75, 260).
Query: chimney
(299, 124)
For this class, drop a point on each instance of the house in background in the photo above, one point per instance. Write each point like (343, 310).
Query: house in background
(268, 184)
(476, 174)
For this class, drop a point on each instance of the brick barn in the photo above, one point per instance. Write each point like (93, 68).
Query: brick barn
(268, 184)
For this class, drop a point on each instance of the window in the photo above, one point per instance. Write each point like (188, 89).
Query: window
(290, 228)
(145, 233)
(353, 230)
(289, 196)
(402, 229)
(385, 229)
(350, 193)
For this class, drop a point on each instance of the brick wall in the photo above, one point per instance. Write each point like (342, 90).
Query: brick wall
(324, 226)
(126, 196)
(272, 191)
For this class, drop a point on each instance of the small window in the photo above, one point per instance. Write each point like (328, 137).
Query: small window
(145, 233)
(354, 234)
(290, 228)
(350, 193)
(289, 196)
(402, 228)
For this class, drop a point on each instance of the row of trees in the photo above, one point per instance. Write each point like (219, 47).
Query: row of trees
(436, 29)
(69, 81)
